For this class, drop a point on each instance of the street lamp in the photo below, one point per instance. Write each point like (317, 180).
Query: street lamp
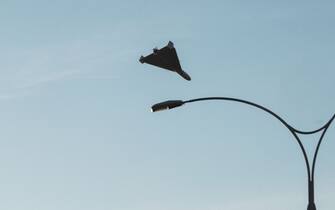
(310, 171)
(166, 58)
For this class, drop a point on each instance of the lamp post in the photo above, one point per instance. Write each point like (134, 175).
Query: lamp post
(166, 58)
(310, 168)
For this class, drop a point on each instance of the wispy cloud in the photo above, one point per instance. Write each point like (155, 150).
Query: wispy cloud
(26, 68)
(23, 69)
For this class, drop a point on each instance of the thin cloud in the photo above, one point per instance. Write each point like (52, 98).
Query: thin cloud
(28, 68)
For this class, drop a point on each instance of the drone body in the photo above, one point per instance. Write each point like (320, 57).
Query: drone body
(166, 58)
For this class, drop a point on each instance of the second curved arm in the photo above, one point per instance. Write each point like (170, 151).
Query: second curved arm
(292, 130)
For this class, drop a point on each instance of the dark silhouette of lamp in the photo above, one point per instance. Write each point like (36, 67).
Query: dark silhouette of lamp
(166, 105)
(310, 168)
(166, 58)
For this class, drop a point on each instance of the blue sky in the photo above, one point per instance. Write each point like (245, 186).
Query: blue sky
(77, 131)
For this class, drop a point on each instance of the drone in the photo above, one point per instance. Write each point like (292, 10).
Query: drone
(166, 58)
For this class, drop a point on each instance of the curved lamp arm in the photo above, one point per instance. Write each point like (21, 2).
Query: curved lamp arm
(311, 204)
(291, 128)
(176, 103)
(325, 127)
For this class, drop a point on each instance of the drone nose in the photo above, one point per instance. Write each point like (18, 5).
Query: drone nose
(184, 75)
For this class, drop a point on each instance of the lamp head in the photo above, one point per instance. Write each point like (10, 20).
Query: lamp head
(166, 105)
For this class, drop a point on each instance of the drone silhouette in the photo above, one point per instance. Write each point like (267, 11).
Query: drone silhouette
(166, 58)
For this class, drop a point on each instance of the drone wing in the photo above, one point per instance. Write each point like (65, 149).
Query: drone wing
(165, 58)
